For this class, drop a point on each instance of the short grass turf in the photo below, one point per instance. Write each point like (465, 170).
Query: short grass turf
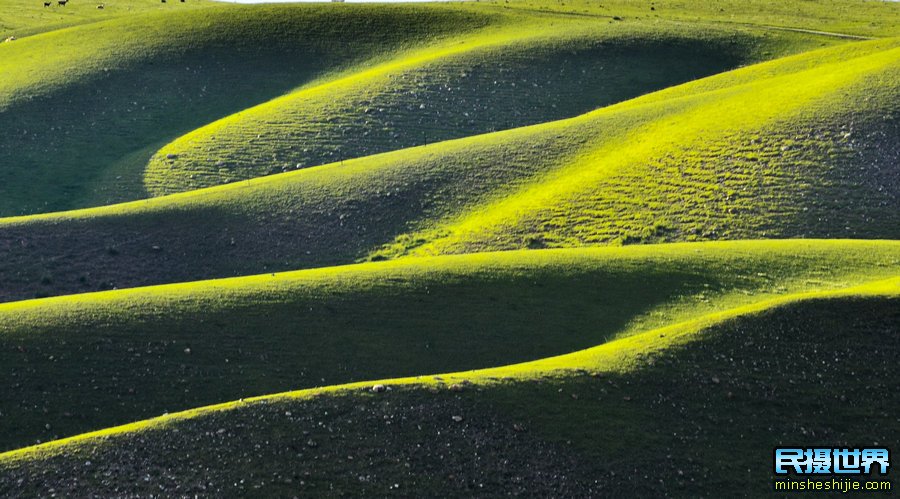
(858, 18)
(700, 161)
(20, 18)
(690, 360)
(701, 414)
(88, 361)
(104, 88)
(536, 69)
(155, 104)
(86, 107)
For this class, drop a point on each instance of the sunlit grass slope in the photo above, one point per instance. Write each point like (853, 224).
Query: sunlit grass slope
(88, 361)
(856, 17)
(701, 406)
(87, 107)
(771, 150)
(810, 152)
(19, 18)
(84, 108)
(534, 70)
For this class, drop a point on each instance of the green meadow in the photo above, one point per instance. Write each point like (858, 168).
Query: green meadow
(479, 248)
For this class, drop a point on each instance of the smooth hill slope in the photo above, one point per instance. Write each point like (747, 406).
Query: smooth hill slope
(854, 18)
(711, 404)
(372, 80)
(85, 362)
(20, 18)
(810, 153)
(541, 68)
(639, 171)
(84, 108)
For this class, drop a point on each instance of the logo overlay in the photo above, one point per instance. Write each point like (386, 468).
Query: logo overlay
(832, 469)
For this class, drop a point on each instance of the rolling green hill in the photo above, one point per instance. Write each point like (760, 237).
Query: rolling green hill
(92, 360)
(20, 18)
(702, 413)
(539, 70)
(712, 164)
(471, 249)
(86, 107)
(368, 80)
(853, 18)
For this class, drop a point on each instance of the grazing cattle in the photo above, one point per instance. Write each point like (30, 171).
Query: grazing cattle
(100, 6)
(47, 4)
(62, 3)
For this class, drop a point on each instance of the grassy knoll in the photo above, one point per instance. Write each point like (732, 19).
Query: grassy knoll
(668, 412)
(85, 107)
(538, 69)
(318, 196)
(20, 18)
(88, 361)
(700, 161)
(88, 108)
(859, 17)
(800, 153)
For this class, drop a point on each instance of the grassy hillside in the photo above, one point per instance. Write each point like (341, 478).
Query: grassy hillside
(805, 153)
(94, 360)
(541, 69)
(454, 249)
(370, 81)
(702, 413)
(20, 18)
(697, 162)
(86, 107)
(859, 17)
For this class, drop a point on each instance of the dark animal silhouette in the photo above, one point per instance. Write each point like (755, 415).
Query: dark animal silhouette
(62, 3)
(47, 4)
(100, 7)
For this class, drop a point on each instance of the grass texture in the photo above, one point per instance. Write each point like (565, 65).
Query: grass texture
(582, 249)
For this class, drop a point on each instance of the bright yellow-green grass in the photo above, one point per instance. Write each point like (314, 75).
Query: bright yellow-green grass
(87, 107)
(753, 137)
(631, 377)
(859, 17)
(534, 69)
(798, 147)
(724, 163)
(19, 18)
(92, 360)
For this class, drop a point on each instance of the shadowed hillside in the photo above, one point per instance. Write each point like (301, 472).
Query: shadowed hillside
(221, 340)
(635, 172)
(86, 107)
(702, 415)
(466, 249)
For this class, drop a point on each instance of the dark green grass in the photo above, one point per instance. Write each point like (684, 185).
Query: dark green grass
(83, 138)
(75, 364)
(702, 417)
(789, 178)
(512, 82)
